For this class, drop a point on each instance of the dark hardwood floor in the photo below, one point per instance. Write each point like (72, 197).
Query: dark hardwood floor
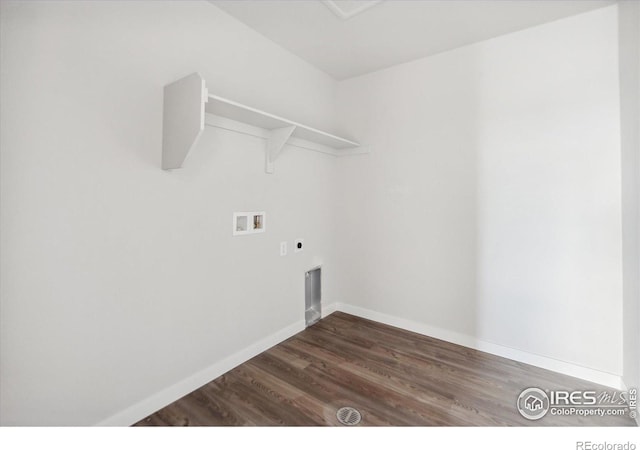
(392, 376)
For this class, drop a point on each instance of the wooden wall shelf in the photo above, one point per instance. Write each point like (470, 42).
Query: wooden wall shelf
(186, 102)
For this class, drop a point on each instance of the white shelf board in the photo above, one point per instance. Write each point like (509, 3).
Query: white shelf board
(220, 106)
(187, 100)
(212, 120)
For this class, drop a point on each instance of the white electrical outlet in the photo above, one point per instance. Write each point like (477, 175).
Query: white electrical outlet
(298, 245)
(283, 249)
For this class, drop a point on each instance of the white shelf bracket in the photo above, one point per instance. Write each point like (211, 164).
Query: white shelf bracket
(183, 119)
(275, 143)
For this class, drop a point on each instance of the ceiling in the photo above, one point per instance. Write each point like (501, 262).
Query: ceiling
(346, 39)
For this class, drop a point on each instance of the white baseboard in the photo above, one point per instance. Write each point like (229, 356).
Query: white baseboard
(329, 309)
(585, 373)
(161, 399)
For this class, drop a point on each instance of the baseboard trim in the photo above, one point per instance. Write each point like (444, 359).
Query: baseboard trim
(585, 373)
(329, 309)
(161, 399)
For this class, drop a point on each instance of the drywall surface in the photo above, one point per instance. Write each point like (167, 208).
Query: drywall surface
(489, 205)
(120, 279)
(629, 32)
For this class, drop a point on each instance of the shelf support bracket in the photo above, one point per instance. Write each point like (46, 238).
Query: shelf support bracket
(275, 143)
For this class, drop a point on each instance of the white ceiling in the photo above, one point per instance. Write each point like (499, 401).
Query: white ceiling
(393, 31)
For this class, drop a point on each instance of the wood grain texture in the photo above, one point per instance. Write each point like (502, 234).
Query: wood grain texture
(392, 376)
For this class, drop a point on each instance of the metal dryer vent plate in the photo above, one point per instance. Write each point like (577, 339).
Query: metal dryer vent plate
(348, 415)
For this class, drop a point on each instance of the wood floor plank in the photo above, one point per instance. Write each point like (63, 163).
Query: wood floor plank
(392, 376)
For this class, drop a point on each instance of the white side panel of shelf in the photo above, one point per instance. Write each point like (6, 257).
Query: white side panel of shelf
(183, 119)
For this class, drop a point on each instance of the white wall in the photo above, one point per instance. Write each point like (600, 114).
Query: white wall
(120, 279)
(490, 206)
(629, 32)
